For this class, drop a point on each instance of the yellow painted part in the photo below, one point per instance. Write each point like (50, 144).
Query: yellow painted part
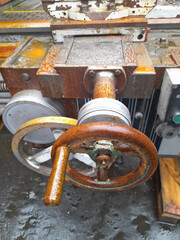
(22, 11)
(25, 24)
(67, 122)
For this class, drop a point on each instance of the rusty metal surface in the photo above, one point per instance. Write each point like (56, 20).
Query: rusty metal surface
(29, 55)
(124, 22)
(96, 51)
(66, 81)
(119, 74)
(102, 167)
(96, 10)
(114, 132)
(4, 1)
(25, 26)
(79, 55)
(176, 57)
(144, 74)
(27, 58)
(70, 106)
(54, 189)
(66, 75)
(160, 50)
(6, 49)
(128, 51)
(104, 85)
(78, 62)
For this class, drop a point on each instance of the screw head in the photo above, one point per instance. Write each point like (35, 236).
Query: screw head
(25, 77)
(91, 74)
(138, 115)
(117, 73)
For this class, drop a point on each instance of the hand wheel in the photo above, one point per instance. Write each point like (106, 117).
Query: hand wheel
(39, 161)
(110, 141)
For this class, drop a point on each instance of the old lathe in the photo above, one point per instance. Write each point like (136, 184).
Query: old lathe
(95, 92)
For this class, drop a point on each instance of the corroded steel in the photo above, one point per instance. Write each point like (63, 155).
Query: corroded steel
(91, 10)
(6, 49)
(7, 25)
(79, 56)
(27, 58)
(49, 61)
(136, 140)
(124, 22)
(102, 162)
(4, 1)
(120, 78)
(104, 85)
(55, 185)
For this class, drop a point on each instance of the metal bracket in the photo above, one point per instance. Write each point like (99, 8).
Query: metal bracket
(119, 73)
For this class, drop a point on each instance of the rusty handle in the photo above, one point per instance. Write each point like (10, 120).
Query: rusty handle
(54, 190)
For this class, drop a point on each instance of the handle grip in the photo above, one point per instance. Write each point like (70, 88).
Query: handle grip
(54, 190)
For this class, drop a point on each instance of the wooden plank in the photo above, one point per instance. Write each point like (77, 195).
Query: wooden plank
(169, 193)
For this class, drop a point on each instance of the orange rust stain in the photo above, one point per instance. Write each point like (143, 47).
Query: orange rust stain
(144, 69)
(25, 24)
(122, 20)
(37, 52)
(6, 49)
(48, 63)
(55, 185)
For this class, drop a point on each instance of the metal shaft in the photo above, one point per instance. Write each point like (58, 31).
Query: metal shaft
(102, 161)
(55, 185)
(104, 85)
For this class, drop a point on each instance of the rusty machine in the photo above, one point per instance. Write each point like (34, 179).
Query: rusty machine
(112, 65)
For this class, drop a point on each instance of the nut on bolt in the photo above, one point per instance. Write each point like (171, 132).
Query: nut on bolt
(91, 74)
(25, 77)
(103, 147)
(117, 73)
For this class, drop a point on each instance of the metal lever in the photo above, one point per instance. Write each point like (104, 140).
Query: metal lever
(54, 190)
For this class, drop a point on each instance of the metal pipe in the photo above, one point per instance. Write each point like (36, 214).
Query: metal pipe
(104, 85)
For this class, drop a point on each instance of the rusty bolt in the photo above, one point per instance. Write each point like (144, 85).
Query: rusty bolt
(91, 74)
(138, 115)
(25, 77)
(117, 73)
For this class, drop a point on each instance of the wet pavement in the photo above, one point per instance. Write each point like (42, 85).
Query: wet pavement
(83, 214)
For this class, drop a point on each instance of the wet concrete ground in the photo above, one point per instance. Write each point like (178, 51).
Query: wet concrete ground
(83, 214)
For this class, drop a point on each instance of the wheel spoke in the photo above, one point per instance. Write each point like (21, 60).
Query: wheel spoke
(42, 156)
(90, 173)
(125, 151)
(83, 149)
(84, 158)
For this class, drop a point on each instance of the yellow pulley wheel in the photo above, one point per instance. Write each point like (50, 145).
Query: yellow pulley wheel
(40, 161)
